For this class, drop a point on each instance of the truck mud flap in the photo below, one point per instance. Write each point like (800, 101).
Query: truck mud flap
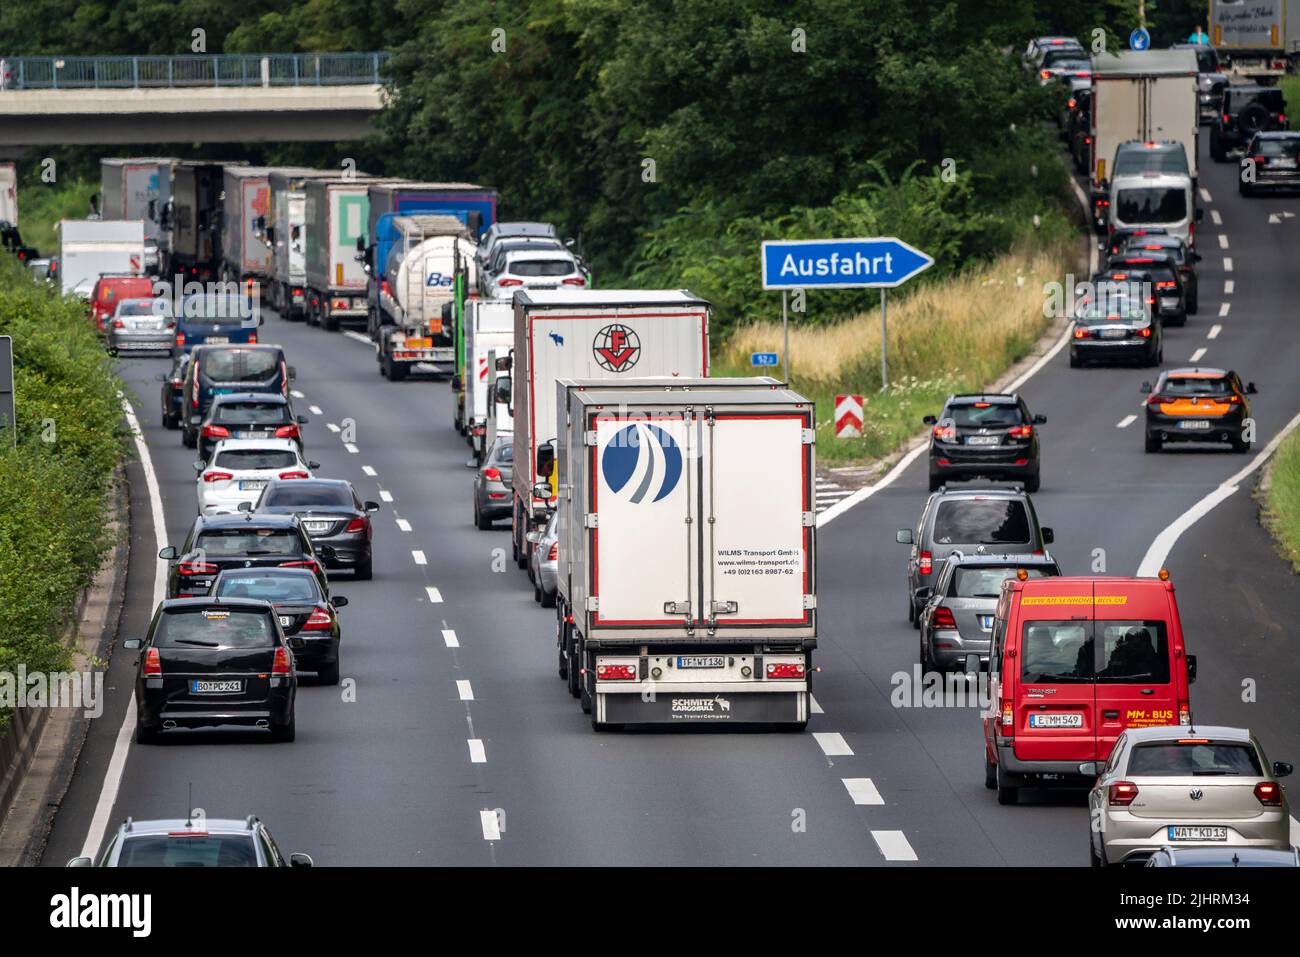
(684, 708)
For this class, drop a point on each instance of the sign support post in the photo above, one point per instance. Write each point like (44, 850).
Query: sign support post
(884, 340)
(785, 331)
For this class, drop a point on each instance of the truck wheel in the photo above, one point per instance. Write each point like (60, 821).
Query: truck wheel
(189, 438)
(329, 321)
(1007, 793)
(563, 665)
(397, 370)
(309, 315)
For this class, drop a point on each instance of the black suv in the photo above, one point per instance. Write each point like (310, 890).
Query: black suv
(249, 415)
(980, 435)
(1246, 110)
(239, 540)
(220, 370)
(1272, 161)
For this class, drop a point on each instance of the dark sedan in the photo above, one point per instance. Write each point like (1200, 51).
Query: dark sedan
(208, 662)
(332, 515)
(984, 435)
(238, 540)
(1166, 281)
(1274, 163)
(173, 391)
(249, 415)
(1176, 250)
(1116, 327)
(308, 615)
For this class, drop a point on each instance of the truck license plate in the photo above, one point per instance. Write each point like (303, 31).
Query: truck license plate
(1056, 721)
(1196, 832)
(700, 661)
(425, 343)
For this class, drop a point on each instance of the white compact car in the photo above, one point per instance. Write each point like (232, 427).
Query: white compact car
(240, 468)
(535, 267)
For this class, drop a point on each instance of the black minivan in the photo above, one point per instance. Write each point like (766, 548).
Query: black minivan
(208, 662)
(221, 370)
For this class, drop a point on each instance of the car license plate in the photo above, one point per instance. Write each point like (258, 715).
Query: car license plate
(699, 661)
(1169, 302)
(217, 339)
(251, 485)
(315, 528)
(249, 434)
(1283, 163)
(983, 439)
(425, 343)
(1056, 720)
(1114, 333)
(285, 621)
(215, 687)
(986, 622)
(1196, 832)
(1194, 423)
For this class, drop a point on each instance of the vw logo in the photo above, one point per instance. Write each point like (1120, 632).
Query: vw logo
(644, 460)
(1196, 794)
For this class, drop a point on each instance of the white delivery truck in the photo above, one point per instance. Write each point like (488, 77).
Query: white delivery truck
(489, 325)
(1256, 39)
(245, 202)
(571, 333)
(284, 230)
(1149, 96)
(8, 194)
(430, 262)
(89, 248)
(687, 552)
(499, 418)
(136, 188)
(335, 218)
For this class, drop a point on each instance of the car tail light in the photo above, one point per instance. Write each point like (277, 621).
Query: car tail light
(1021, 431)
(119, 324)
(942, 618)
(616, 672)
(385, 288)
(358, 524)
(319, 620)
(1008, 717)
(1045, 74)
(215, 476)
(216, 432)
(1070, 103)
(1258, 160)
(287, 432)
(1166, 284)
(510, 282)
(1082, 333)
(925, 563)
(1184, 714)
(1087, 141)
(492, 474)
(195, 568)
(338, 303)
(1121, 793)
(554, 554)
(180, 338)
(152, 662)
(574, 281)
(1269, 793)
(281, 665)
(297, 290)
(295, 474)
(1281, 118)
(1159, 400)
(945, 433)
(252, 338)
(788, 670)
(1146, 333)
(304, 564)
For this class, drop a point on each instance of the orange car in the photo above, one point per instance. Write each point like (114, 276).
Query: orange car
(1198, 405)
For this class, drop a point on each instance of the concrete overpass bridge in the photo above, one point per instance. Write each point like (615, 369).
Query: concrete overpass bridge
(222, 98)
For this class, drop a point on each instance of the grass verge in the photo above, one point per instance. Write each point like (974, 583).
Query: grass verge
(954, 336)
(1282, 501)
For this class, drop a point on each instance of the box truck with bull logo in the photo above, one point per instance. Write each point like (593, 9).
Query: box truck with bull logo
(677, 604)
(571, 333)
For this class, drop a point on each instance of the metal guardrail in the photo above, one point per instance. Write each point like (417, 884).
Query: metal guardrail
(235, 70)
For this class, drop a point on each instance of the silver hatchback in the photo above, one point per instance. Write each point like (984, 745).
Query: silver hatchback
(1173, 786)
(140, 325)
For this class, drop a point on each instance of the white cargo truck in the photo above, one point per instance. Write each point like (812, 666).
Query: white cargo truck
(135, 188)
(1149, 96)
(499, 418)
(285, 232)
(8, 194)
(687, 552)
(570, 333)
(89, 248)
(336, 211)
(1256, 39)
(489, 325)
(246, 201)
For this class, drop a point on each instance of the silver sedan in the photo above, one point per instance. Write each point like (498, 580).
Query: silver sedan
(140, 325)
(543, 563)
(1186, 787)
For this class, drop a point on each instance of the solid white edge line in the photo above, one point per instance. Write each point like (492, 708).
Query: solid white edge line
(1158, 553)
(862, 790)
(108, 791)
(464, 690)
(893, 845)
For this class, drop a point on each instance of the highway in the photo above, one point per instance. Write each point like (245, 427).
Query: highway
(458, 745)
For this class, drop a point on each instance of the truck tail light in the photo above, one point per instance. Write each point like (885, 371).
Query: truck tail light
(358, 524)
(195, 568)
(215, 432)
(152, 662)
(1121, 793)
(942, 618)
(215, 476)
(925, 564)
(790, 670)
(1008, 717)
(319, 620)
(281, 665)
(252, 338)
(616, 672)
(1269, 793)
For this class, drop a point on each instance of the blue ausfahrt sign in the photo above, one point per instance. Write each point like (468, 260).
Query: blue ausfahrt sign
(874, 263)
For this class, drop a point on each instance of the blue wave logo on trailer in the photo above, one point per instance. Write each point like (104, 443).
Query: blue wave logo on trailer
(645, 449)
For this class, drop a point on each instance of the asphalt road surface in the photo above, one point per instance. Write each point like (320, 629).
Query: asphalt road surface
(452, 741)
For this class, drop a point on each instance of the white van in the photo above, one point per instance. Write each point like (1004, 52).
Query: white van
(1166, 200)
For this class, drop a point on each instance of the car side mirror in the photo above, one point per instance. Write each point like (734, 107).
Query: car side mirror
(371, 506)
(534, 537)
(339, 601)
(302, 420)
(1040, 420)
(930, 420)
(82, 861)
(1049, 536)
(903, 536)
(1146, 388)
(301, 860)
(200, 465)
(1250, 388)
(133, 644)
(245, 506)
(1191, 669)
(313, 466)
(1282, 769)
(167, 553)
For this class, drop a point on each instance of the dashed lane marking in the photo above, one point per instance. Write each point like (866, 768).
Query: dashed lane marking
(1227, 264)
(315, 410)
(464, 690)
(813, 706)
(333, 427)
(1223, 309)
(449, 637)
(1216, 218)
(386, 495)
(403, 524)
(1196, 356)
(477, 755)
(1223, 240)
(352, 449)
(832, 743)
(1205, 195)
(893, 845)
(435, 596)
(1214, 331)
(1125, 422)
(296, 394)
(1228, 286)
(863, 791)
(491, 826)
(418, 557)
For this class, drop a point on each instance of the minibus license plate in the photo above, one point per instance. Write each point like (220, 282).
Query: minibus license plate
(1056, 721)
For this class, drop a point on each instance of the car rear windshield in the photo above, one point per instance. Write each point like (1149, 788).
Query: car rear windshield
(1194, 385)
(1114, 652)
(1174, 759)
(1056, 652)
(541, 267)
(143, 307)
(1132, 652)
(256, 459)
(985, 415)
(1282, 146)
(271, 413)
(113, 290)
(215, 309)
(1059, 56)
(985, 581)
(209, 851)
(1240, 99)
(971, 521)
(308, 496)
(1144, 160)
(239, 365)
(503, 453)
(222, 543)
(1171, 247)
(1152, 204)
(1115, 309)
(277, 588)
(215, 627)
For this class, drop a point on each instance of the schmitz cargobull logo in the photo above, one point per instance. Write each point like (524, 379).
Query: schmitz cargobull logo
(617, 348)
(644, 460)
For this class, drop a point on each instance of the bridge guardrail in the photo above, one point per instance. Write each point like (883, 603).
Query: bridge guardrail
(199, 70)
